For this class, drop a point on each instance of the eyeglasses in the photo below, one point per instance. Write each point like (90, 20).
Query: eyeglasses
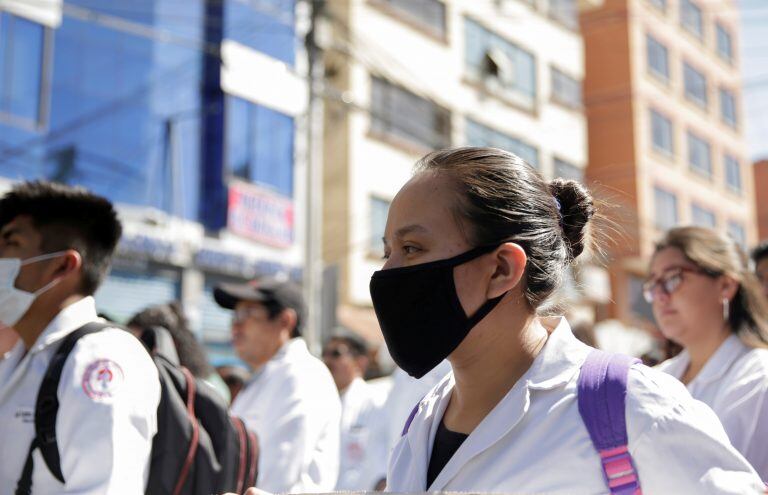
(334, 353)
(668, 283)
(242, 314)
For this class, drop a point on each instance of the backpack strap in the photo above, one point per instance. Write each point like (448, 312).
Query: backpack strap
(602, 390)
(46, 409)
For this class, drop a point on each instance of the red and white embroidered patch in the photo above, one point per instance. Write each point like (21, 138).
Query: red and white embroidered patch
(102, 378)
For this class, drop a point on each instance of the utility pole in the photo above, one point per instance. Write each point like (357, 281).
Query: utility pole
(313, 262)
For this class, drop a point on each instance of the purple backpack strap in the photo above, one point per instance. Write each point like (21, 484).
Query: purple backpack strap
(602, 392)
(410, 419)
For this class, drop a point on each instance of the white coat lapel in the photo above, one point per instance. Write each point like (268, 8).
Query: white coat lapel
(496, 425)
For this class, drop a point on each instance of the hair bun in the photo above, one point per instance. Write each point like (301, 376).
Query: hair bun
(576, 208)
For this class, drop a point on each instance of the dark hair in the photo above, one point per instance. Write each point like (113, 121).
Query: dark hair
(274, 309)
(505, 199)
(68, 218)
(718, 254)
(357, 346)
(171, 317)
(760, 252)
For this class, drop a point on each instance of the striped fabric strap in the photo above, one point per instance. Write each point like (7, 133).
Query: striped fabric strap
(620, 471)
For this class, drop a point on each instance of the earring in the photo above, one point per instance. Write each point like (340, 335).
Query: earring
(726, 309)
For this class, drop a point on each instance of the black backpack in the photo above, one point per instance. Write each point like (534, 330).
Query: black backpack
(199, 447)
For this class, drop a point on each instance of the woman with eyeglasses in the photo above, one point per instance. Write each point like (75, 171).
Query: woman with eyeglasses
(705, 298)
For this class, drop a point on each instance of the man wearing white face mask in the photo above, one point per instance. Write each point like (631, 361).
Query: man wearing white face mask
(56, 244)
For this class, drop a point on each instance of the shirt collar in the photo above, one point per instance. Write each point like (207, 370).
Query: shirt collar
(560, 359)
(67, 321)
(729, 351)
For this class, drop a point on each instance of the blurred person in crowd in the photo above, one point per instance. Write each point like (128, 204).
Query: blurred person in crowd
(235, 377)
(361, 456)
(291, 401)
(705, 298)
(191, 354)
(56, 245)
(475, 242)
(760, 258)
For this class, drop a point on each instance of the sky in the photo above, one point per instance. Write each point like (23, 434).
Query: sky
(754, 56)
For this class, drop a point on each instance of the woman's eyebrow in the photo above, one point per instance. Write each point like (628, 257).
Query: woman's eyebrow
(410, 229)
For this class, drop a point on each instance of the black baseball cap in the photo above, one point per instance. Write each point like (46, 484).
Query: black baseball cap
(266, 290)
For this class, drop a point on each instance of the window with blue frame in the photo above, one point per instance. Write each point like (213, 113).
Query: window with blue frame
(491, 59)
(480, 135)
(267, 26)
(22, 59)
(259, 145)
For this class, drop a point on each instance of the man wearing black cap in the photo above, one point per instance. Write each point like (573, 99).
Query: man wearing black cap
(291, 402)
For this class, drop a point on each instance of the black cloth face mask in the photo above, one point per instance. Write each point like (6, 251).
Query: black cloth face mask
(420, 313)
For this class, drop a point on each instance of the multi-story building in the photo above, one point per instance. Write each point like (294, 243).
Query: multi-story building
(189, 119)
(407, 77)
(666, 146)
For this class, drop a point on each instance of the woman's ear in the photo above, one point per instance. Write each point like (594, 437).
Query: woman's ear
(510, 261)
(728, 287)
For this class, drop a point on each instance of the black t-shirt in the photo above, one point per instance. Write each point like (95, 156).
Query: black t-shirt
(447, 442)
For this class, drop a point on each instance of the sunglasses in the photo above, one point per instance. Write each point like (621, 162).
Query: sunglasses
(334, 353)
(667, 283)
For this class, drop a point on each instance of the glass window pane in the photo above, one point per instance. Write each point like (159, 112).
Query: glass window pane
(736, 230)
(699, 155)
(666, 208)
(238, 152)
(264, 25)
(659, 4)
(379, 210)
(702, 217)
(430, 14)
(732, 173)
(658, 58)
(728, 107)
(724, 43)
(565, 12)
(400, 113)
(479, 135)
(691, 18)
(565, 89)
(566, 170)
(695, 85)
(21, 48)
(661, 133)
(500, 65)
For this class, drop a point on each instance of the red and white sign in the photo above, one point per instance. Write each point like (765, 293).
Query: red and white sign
(260, 214)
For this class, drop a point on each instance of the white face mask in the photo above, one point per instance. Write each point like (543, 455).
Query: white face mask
(14, 302)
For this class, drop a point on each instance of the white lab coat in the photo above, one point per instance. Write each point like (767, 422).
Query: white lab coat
(534, 440)
(362, 456)
(734, 383)
(108, 397)
(293, 406)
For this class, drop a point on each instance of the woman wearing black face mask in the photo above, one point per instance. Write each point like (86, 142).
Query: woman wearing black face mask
(475, 243)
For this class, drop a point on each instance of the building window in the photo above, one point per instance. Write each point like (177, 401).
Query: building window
(479, 135)
(699, 155)
(22, 59)
(724, 43)
(428, 14)
(665, 204)
(565, 12)
(736, 230)
(728, 107)
(691, 18)
(499, 65)
(659, 4)
(662, 133)
(267, 26)
(695, 85)
(702, 217)
(379, 210)
(567, 170)
(565, 89)
(401, 114)
(658, 58)
(259, 145)
(732, 173)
